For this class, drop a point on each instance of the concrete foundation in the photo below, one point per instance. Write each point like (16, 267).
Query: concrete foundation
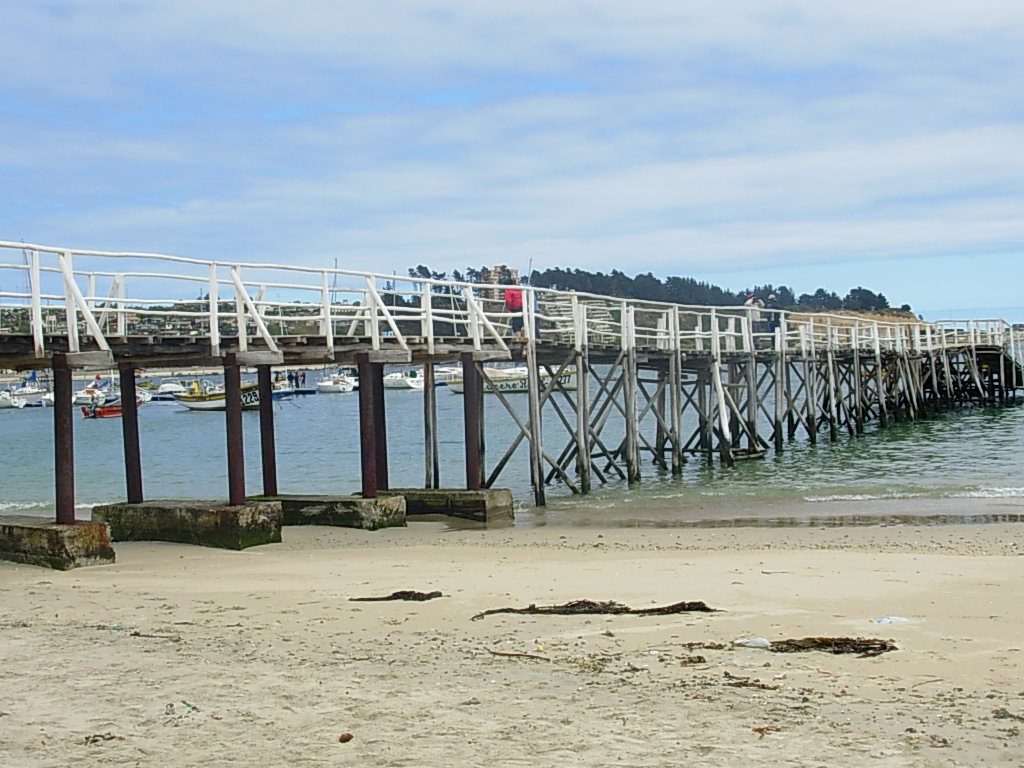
(493, 505)
(37, 541)
(344, 511)
(208, 524)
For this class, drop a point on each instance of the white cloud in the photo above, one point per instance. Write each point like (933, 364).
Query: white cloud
(649, 136)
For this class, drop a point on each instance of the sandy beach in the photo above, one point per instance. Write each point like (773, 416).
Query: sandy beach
(181, 656)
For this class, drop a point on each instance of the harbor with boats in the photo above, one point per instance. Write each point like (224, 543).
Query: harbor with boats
(598, 392)
(99, 395)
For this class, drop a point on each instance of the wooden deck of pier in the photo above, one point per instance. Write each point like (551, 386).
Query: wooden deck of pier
(655, 383)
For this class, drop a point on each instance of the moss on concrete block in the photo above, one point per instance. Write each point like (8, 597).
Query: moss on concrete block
(209, 524)
(344, 511)
(491, 505)
(37, 541)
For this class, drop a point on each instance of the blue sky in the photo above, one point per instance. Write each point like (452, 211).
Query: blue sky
(812, 144)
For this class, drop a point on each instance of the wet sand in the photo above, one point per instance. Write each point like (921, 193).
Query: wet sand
(182, 656)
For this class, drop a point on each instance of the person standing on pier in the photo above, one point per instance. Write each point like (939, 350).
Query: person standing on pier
(514, 306)
(772, 315)
(756, 304)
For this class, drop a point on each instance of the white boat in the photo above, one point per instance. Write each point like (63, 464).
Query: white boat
(95, 392)
(30, 393)
(282, 390)
(335, 383)
(404, 380)
(167, 389)
(445, 373)
(516, 380)
(7, 400)
(201, 397)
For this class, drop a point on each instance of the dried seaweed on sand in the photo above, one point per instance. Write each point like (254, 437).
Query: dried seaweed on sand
(403, 594)
(575, 607)
(862, 646)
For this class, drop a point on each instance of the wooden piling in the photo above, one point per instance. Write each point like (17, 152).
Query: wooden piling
(233, 428)
(268, 449)
(368, 452)
(63, 441)
(130, 432)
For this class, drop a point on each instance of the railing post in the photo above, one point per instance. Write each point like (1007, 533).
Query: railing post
(70, 311)
(213, 299)
(37, 305)
(427, 308)
(326, 321)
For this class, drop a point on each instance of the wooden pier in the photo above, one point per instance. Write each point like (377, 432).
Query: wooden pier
(628, 384)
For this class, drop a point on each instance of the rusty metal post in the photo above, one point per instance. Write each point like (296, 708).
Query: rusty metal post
(367, 431)
(268, 450)
(380, 424)
(233, 422)
(472, 408)
(130, 432)
(63, 441)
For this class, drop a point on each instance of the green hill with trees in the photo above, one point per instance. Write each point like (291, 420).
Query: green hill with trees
(678, 290)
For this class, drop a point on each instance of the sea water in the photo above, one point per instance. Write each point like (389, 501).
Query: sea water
(944, 461)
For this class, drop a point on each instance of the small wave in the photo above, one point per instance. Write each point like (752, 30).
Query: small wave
(865, 496)
(989, 493)
(44, 507)
(7, 506)
(964, 493)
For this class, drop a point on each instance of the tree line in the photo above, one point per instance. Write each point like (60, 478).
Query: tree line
(677, 290)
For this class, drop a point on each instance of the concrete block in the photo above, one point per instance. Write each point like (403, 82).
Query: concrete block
(491, 505)
(37, 541)
(209, 524)
(343, 511)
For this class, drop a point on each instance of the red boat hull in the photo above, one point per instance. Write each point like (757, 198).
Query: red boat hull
(101, 411)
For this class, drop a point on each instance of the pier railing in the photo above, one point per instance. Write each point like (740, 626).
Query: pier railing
(93, 298)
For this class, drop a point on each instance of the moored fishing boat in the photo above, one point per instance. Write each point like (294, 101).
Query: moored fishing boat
(167, 389)
(336, 383)
(412, 379)
(95, 392)
(7, 400)
(200, 397)
(516, 380)
(445, 373)
(110, 409)
(282, 390)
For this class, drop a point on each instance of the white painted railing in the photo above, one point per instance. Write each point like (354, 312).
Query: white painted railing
(104, 296)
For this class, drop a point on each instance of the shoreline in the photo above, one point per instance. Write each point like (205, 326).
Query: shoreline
(712, 513)
(180, 655)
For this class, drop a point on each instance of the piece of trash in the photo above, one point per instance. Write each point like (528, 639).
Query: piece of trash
(96, 738)
(890, 620)
(192, 707)
(753, 642)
